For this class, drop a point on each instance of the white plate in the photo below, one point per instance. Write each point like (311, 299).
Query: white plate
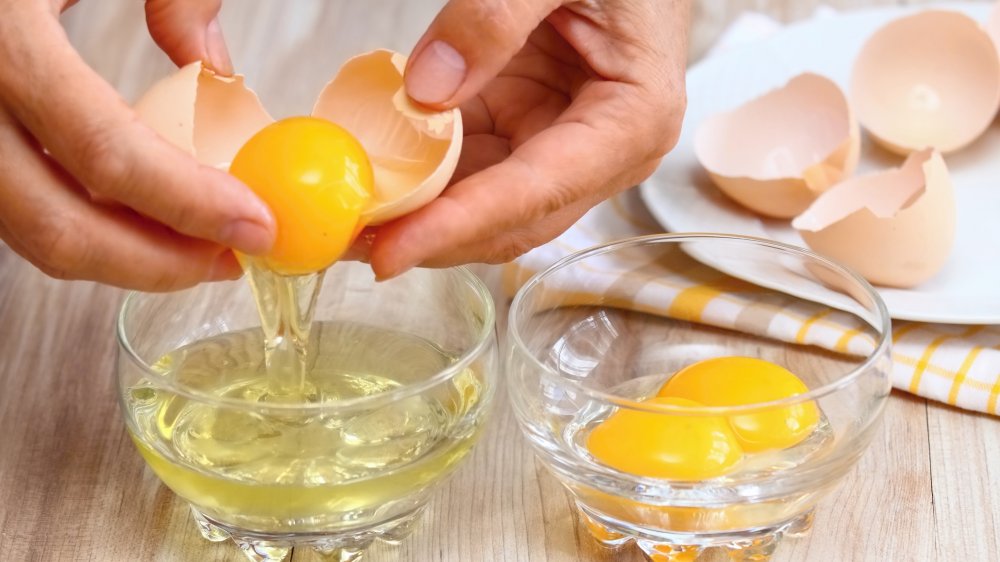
(682, 198)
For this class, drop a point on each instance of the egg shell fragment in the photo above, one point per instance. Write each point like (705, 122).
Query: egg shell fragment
(777, 152)
(204, 114)
(929, 80)
(896, 228)
(413, 151)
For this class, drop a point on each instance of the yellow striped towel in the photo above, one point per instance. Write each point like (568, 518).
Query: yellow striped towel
(956, 364)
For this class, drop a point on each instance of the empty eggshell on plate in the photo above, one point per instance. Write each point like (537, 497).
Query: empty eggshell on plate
(413, 150)
(930, 80)
(777, 152)
(896, 227)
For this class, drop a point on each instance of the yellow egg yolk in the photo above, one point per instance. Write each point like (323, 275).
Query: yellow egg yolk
(316, 179)
(665, 445)
(733, 381)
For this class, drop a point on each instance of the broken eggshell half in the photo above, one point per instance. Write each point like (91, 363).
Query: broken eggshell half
(413, 151)
(776, 153)
(929, 80)
(204, 114)
(896, 228)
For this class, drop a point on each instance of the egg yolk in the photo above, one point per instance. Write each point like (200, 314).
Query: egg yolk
(662, 445)
(734, 381)
(316, 179)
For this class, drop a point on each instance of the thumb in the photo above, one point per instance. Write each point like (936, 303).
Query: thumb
(188, 30)
(467, 44)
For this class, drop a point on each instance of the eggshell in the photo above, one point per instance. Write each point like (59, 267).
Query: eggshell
(895, 228)
(413, 151)
(930, 80)
(776, 153)
(204, 114)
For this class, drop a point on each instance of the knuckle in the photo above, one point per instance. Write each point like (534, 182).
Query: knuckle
(60, 249)
(641, 172)
(56, 272)
(109, 167)
(558, 198)
(667, 127)
(163, 280)
(496, 23)
(511, 246)
(669, 132)
(183, 219)
(647, 168)
(558, 194)
(661, 133)
(103, 159)
(497, 17)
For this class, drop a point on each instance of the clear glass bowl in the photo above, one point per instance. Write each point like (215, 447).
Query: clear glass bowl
(396, 391)
(587, 343)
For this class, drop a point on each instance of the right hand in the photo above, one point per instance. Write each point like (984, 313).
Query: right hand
(86, 190)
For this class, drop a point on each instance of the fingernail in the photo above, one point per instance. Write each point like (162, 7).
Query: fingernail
(436, 74)
(247, 237)
(225, 268)
(218, 53)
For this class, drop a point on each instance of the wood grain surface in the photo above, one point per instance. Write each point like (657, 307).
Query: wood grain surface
(72, 487)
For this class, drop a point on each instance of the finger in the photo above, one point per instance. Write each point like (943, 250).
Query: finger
(604, 143)
(97, 138)
(52, 223)
(508, 245)
(505, 245)
(188, 31)
(361, 248)
(6, 237)
(467, 45)
(478, 153)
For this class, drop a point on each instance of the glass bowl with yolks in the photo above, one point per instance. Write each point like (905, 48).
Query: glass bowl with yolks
(698, 392)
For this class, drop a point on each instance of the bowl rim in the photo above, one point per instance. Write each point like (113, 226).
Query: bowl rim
(882, 349)
(483, 339)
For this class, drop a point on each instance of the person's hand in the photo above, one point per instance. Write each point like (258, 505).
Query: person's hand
(564, 104)
(86, 191)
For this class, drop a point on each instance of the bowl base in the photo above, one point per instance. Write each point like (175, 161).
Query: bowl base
(659, 546)
(336, 547)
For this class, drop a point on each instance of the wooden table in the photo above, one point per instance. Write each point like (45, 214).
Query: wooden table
(73, 488)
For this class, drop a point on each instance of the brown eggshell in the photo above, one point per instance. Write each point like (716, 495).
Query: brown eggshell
(776, 153)
(413, 151)
(930, 80)
(896, 228)
(204, 114)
